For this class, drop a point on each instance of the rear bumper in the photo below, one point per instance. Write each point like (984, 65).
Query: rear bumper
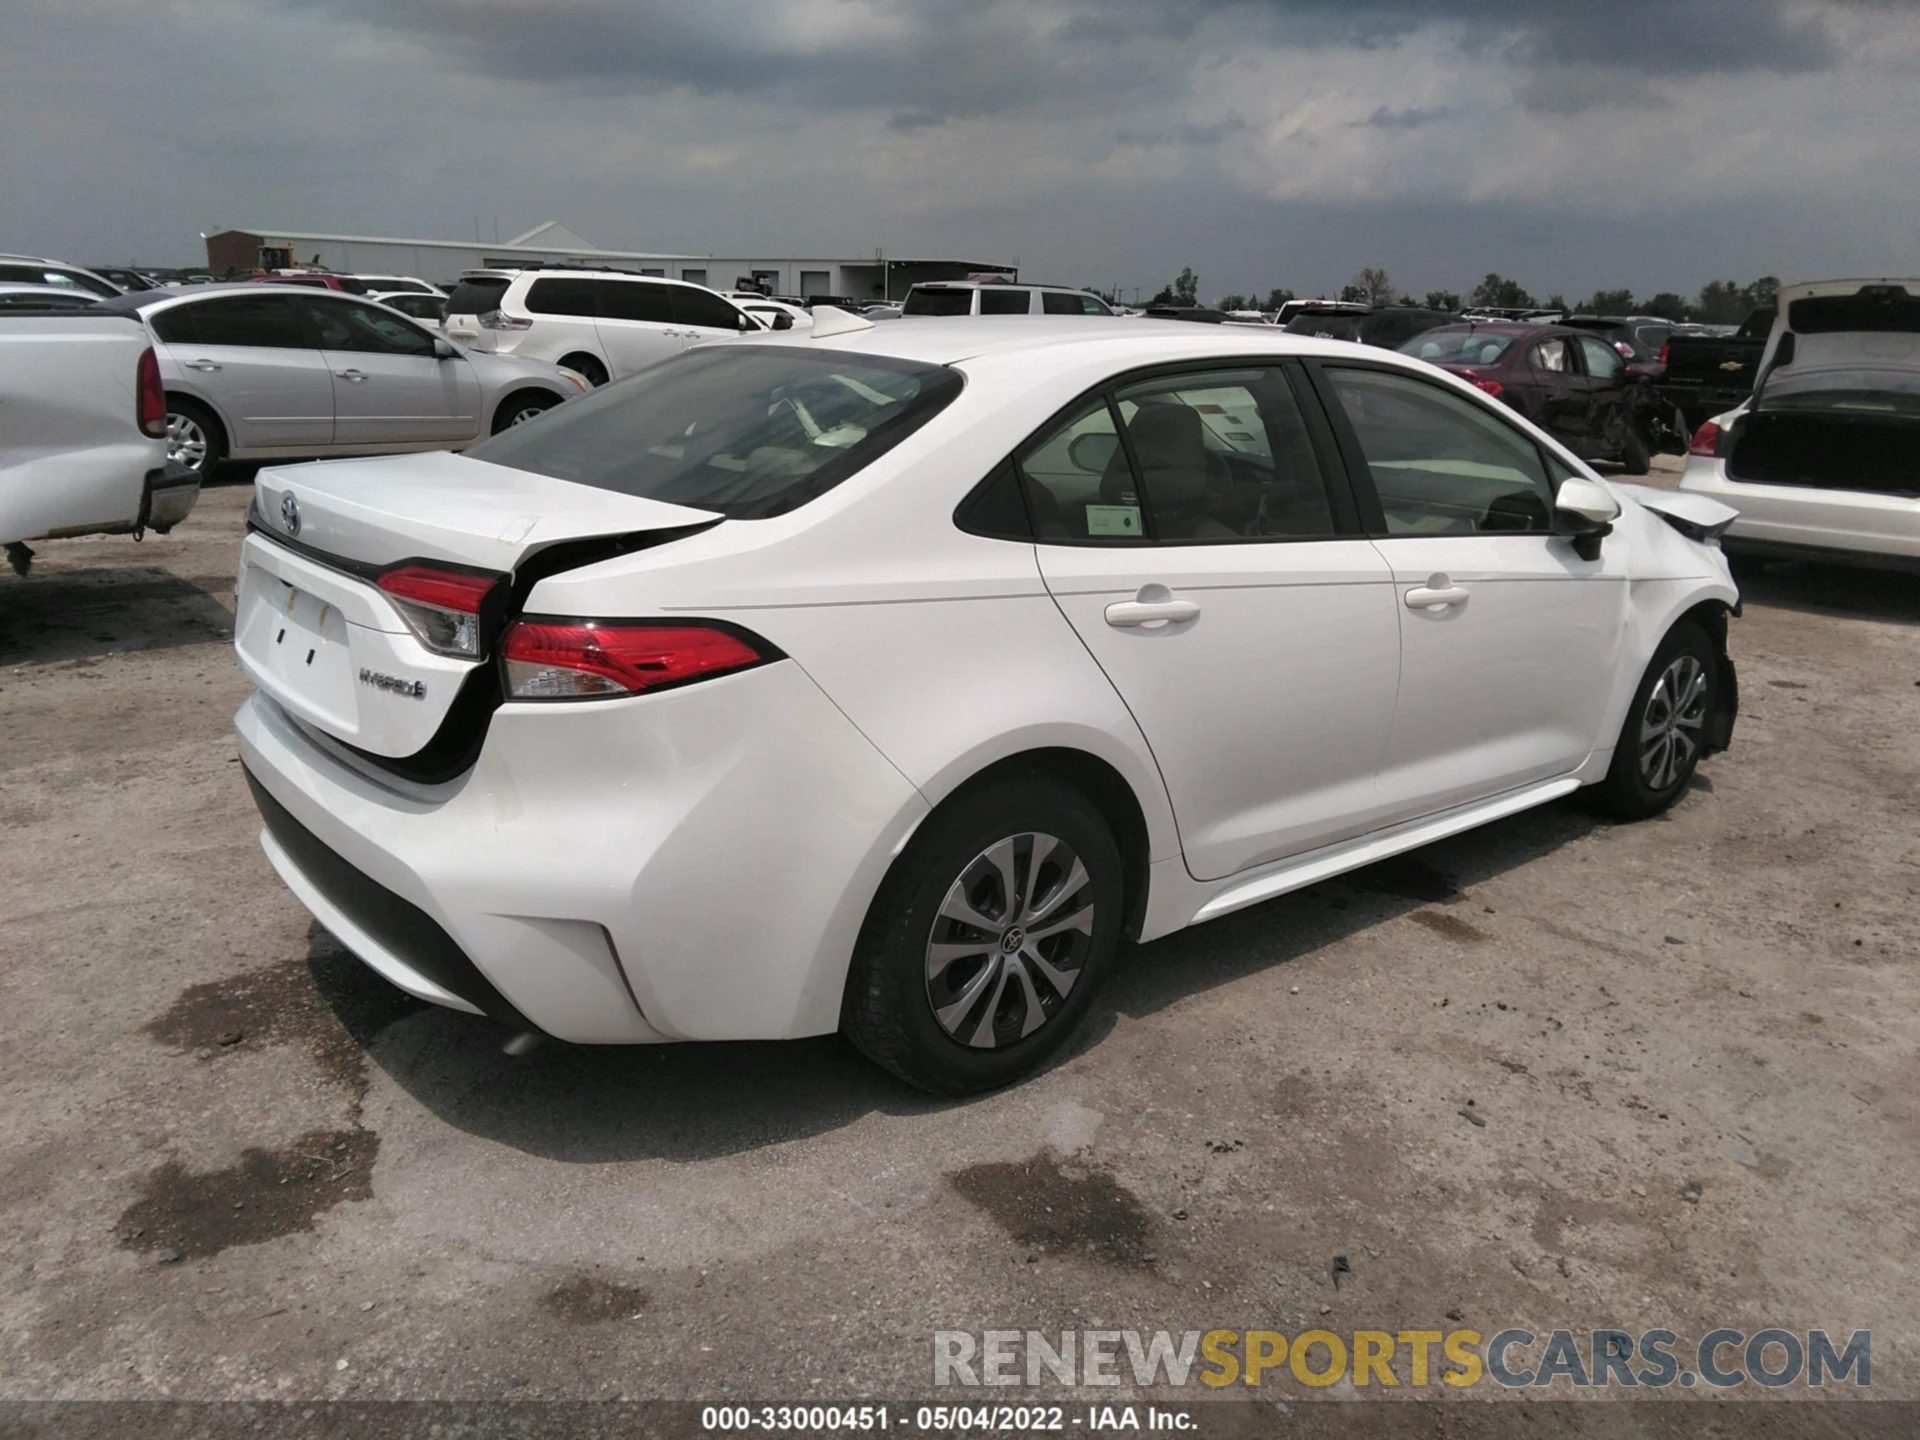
(169, 497)
(690, 865)
(1846, 527)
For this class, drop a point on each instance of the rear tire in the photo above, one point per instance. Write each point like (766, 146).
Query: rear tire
(195, 438)
(588, 368)
(1660, 741)
(954, 1007)
(522, 406)
(1633, 454)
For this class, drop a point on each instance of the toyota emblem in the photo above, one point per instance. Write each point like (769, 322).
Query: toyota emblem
(290, 513)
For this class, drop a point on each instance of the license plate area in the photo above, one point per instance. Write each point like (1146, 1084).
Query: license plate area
(298, 648)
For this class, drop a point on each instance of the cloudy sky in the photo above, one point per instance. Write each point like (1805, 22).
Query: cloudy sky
(1571, 144)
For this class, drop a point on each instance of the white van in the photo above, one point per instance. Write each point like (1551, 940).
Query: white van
(999, 297)
(603, 324)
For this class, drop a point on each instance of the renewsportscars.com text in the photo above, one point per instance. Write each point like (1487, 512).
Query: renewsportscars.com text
(1386, 1359)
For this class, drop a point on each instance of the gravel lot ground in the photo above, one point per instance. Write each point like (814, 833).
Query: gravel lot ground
(234, 1164)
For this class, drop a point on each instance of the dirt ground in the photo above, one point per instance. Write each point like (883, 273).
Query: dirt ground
(1551, 1074)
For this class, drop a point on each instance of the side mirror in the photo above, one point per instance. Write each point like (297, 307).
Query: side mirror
(443, 350)
(1586, 512)
(783, 321)
(1093, 451)
(747, 322)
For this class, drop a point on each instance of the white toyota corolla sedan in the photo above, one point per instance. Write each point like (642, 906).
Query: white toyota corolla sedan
(883, 679)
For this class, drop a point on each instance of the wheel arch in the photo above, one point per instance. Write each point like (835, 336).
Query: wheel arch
(509, 396)
(1656, 607)
(577, 352)
(175, 390)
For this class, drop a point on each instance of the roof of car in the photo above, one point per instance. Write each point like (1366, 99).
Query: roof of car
(938, 340)
(146, 299)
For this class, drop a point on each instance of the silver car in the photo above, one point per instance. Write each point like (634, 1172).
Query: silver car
(266, 372)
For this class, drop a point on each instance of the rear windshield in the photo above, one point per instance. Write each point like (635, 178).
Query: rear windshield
(1891, 394)
(1874, 308)
(747, 431)
(938, 302)
(1458, 347)
(477, 296)
(1326, 327)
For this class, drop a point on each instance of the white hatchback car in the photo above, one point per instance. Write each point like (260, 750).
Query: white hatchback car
(1823, 462)
(883, 679)
(601, 324)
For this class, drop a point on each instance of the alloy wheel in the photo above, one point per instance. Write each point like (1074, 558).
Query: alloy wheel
(186, 441)
(1670, 725)
(1009, 940)
(524, 414)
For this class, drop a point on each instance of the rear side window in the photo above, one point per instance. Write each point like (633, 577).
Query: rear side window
(749, 432)
(923, 301)
(260, 321)
(477, 296)
(1442, 464)
(1603, 361)
(702, 307)
(1057, 302)
(560, 296)
(1006, 302)
(634, 300)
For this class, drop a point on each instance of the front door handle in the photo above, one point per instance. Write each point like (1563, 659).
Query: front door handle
(356, 376)
(1437, 594)
(1154, 610)
(203, 365)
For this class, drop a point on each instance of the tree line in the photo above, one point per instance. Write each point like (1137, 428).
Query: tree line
(1720, 302)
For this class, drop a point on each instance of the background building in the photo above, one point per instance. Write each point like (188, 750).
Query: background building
(240, 251)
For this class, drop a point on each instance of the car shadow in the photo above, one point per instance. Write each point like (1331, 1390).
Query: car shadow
(1834, 590)
(53, 616)
(594, 1104)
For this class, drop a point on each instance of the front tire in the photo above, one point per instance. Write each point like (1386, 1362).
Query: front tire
(522, 406)
(1660, 743)
(195, 437)
(989, 937)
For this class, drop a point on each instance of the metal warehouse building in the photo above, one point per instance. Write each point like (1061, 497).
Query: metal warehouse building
(241, 250)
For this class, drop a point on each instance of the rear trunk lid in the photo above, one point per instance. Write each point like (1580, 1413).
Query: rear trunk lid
(314, 630)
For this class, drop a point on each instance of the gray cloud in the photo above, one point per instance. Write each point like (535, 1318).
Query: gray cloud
(1184, 133)
(1413, 118)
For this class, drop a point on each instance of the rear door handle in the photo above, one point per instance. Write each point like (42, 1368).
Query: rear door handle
(1130, 614)
(356, 376)
(203, 365)
(1437, 594)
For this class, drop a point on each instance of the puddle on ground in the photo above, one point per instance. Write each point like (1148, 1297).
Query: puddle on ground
(1059, 1212)
(269, 1193)
(587, 1300)
(1451, 926)
(327, 1001)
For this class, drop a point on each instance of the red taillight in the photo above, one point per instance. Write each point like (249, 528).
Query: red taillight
(1704, 440)
(150, 400)
(441, 607)
(571, 660)
(1492, 387)
(1663, 353)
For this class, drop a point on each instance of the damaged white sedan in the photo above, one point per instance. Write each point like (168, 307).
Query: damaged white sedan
(884, 679)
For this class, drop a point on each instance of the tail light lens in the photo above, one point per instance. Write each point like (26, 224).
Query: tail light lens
(585, 659)
(1492, 387)
(441, 607)
(1663, 353)
(1705, 439)
(500, 320)
(150, 400)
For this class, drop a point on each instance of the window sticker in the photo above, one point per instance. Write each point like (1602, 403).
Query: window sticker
(1123, 520)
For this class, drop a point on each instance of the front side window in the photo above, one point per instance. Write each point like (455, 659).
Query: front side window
(1442, 464)
(256, 321)
(633, 300)
(561, 296)
(1209, 455)
(749, 432)
(1603, 361)
(343, 325)
(1005, 302)
(1551, 356)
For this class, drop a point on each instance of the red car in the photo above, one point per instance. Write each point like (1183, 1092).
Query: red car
(318, 279)
(1570, 383)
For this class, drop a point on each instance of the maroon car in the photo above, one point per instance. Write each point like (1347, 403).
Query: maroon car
(1572, 384)
(315, 279)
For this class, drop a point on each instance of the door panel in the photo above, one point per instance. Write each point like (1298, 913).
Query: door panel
(254, 358)
(1508, 639)
(389, 387)
(1552, 372)
(1606, 375)
(1256, 646)
(636, 325)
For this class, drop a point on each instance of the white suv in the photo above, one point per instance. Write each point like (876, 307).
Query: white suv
(602, 324)
(1000, 297)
